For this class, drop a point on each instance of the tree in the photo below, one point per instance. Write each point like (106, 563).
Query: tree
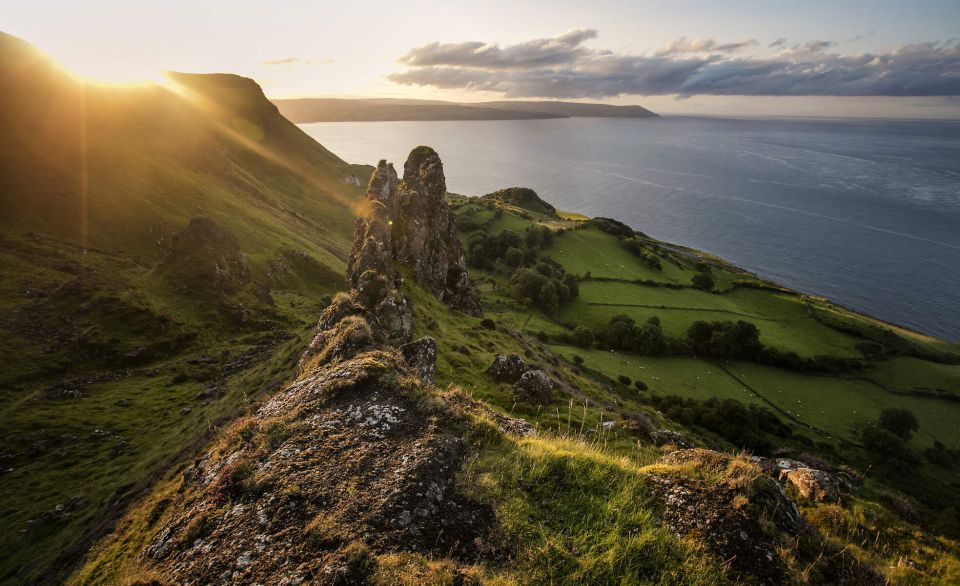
(513, 257)
(702, 281)
(886, 448)
(900, 422)
(549, 299)
(583, 336)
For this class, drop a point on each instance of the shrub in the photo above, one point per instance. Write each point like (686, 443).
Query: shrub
(641, 386)
(702, 281)
(583, 336)
(488, 324)
(543, 337)
(887, 449)
(624, 380)
(900, 422)
(513, 257)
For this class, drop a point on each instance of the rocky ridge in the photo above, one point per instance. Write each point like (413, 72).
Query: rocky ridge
(354, 458)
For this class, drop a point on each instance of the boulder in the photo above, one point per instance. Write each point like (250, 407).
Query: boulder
(666, 437)
(507, 368)
(812, 485)
(534, 387)
(727, 505)
(421, 355)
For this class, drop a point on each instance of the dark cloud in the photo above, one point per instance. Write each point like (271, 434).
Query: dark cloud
(778, 43)
(815, 46)
(562, 67)
(560, 50)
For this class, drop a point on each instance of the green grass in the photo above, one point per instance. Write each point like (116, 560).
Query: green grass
(573, 513)
(781, 318)
(602, 255)
(912, 373)
(842, 406)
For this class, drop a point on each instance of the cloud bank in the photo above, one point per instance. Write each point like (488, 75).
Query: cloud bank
(563, 67)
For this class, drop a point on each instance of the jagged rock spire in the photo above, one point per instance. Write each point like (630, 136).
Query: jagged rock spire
(426, 239)
(402, 224)
(409, 223)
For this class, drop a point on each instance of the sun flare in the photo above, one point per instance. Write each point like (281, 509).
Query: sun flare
(114, 74)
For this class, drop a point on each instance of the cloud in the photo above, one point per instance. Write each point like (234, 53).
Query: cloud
(285, 61)
(563, 49)
(295, 61)
(682, 45)
(562, 67)
(814, 46)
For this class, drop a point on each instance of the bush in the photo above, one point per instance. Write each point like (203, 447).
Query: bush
(578, 360)
(887, 449)
(513, 257)
(488, 324)
(702, 281)
(624, 380)
(583, 336)
(641, 386)
(900, 422)
(543, 337)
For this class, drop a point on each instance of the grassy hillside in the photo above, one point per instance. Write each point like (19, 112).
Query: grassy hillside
(113, 370)
(134, 333)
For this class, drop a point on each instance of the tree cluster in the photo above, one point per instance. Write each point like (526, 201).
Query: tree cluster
(545, 285)
(754, 428)
(623, 333)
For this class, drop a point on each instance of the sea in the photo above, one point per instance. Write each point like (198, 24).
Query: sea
(863, 212)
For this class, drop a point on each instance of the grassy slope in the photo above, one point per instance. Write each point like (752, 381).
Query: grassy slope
(95, 182)
(830, 403)
(259, 181)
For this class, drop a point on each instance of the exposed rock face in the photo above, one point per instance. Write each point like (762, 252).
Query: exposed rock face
(738, 518)
(534, 387)
(352, 459)
(205, 257)
(422, 356)
(812, 485)
(427, 239)
(409, 222)
(665, 437)
(507, 368)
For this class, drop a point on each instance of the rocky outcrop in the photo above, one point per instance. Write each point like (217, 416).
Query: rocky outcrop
(354, 458)
(507, 368)
(534, 387)
(421, 355)
(812, 485)
(205, 257)
(668, 437)
(409, 222)
(730, 506)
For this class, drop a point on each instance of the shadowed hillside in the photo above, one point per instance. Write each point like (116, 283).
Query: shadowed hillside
(158, 245)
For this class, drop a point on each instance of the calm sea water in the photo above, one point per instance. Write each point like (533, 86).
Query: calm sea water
(866, 213)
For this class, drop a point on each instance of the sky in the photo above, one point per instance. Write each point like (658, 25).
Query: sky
(747, 57)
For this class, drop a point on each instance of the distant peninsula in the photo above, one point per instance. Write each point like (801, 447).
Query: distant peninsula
(382, 110)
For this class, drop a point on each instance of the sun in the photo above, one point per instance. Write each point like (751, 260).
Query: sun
(113, 72)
